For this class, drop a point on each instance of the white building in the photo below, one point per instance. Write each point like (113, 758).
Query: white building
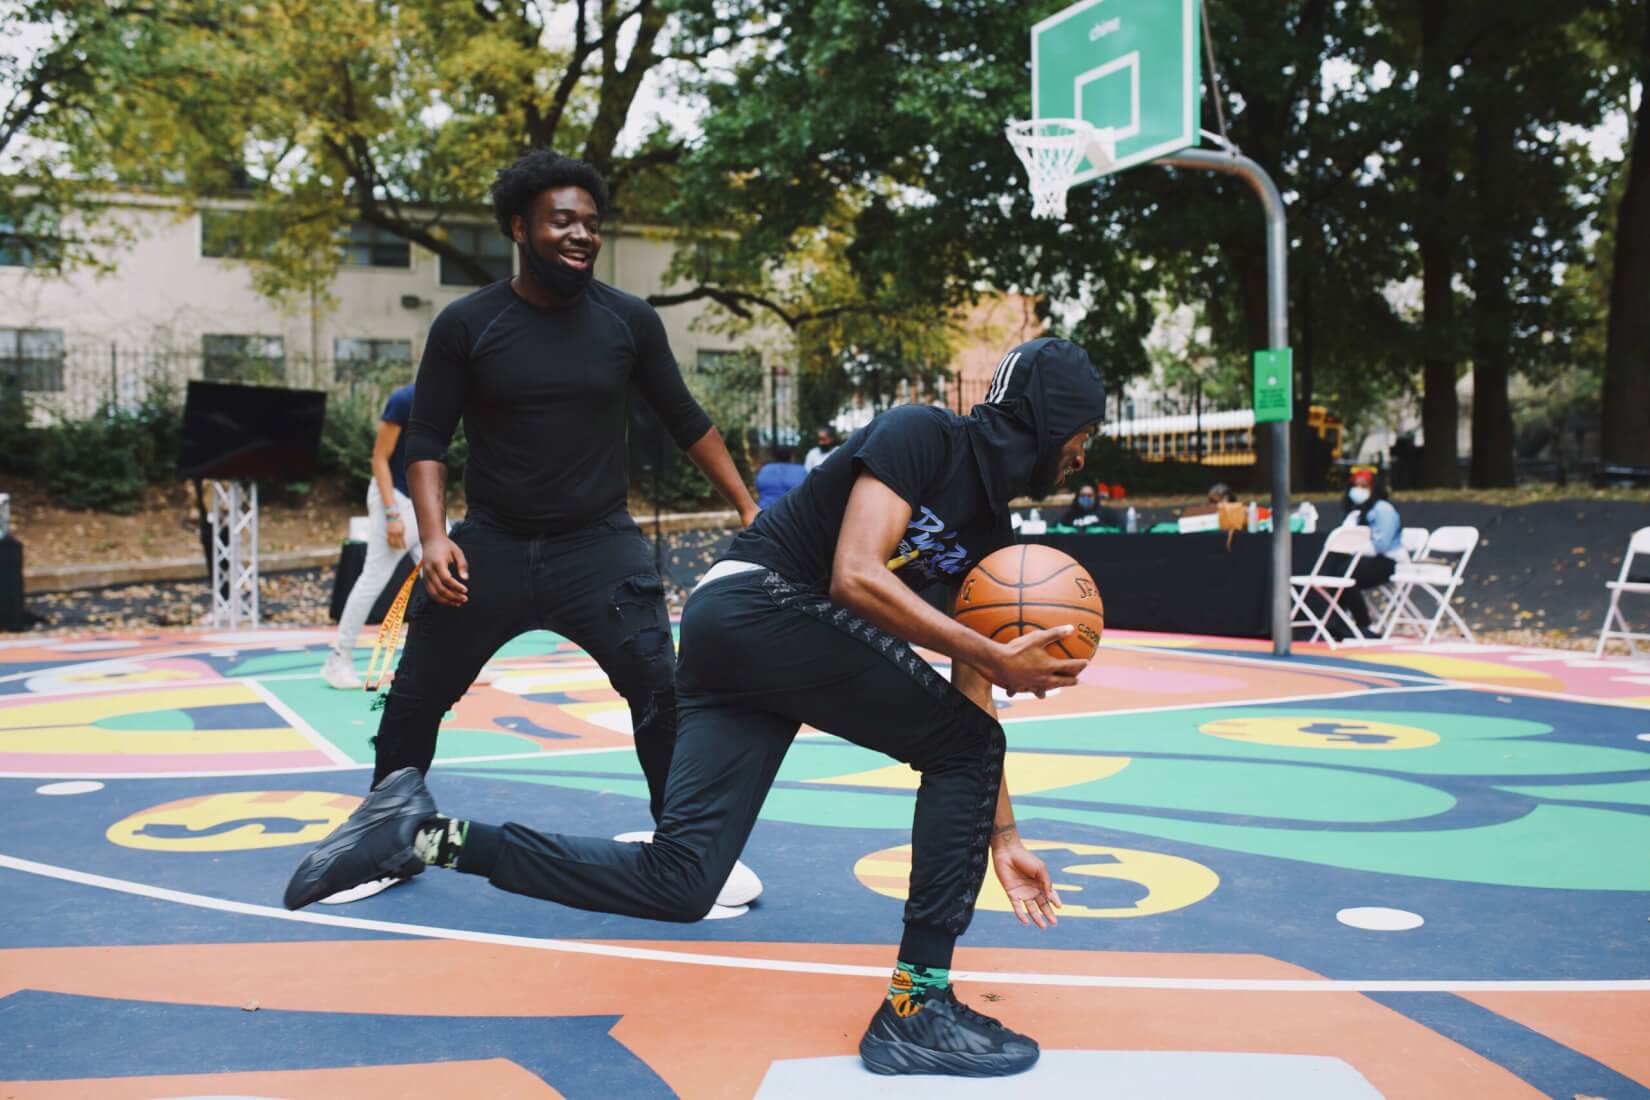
(177, 300)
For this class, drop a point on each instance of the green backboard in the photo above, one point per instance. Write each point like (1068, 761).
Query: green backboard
(1127, 65)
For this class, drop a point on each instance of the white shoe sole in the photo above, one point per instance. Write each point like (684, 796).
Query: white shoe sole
(363, 891)
(741, 888)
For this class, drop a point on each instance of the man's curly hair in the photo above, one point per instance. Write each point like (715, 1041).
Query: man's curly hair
(515, 187)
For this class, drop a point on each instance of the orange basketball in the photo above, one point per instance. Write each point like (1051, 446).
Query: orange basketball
(1028, 587)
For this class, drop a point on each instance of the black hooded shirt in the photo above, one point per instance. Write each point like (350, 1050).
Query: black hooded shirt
(958, 473)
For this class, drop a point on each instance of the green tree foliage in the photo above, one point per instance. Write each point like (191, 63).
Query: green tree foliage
(849, 177)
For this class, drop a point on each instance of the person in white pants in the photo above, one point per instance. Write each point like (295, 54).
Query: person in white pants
(390, 535)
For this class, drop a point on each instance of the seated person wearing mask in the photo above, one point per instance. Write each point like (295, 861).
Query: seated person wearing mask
(1367, 504)
(1086, 510)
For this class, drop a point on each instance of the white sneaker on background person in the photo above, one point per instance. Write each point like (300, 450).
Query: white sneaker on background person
(741, 888)
(339, 672)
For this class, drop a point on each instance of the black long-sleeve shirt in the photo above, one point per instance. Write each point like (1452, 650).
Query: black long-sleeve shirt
(542, 393)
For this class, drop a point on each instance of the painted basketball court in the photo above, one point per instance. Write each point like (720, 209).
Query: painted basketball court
(1378, 872)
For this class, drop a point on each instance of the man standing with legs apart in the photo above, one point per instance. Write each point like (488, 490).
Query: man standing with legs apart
(390, 534)
(538, 368)
(811, 618)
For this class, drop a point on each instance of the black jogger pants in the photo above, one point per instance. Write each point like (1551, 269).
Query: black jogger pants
(761, 656)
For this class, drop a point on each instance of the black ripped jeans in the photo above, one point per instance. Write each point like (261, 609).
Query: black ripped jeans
(596, 586)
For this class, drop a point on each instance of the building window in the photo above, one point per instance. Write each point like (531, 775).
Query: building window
(31, 360)
(33, 243)
(482, 244)
(225, 234)
(358, 358)
(370, 246)
(230, 358)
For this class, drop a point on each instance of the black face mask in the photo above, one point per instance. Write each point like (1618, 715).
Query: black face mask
(562, 281)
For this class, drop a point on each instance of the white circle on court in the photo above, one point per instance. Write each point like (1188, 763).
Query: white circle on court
(1375, 918)
(1644, 737)
(76, 786)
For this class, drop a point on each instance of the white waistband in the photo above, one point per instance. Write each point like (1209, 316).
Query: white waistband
(726, 569)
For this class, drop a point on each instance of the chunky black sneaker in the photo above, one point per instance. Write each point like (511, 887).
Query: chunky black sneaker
(375, 842)
(946, 1036)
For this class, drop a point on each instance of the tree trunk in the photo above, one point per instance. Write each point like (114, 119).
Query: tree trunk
(1492, 229)
(1627, 351)
(1434, 236)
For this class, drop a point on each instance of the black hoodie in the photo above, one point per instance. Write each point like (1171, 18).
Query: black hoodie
(958, 473)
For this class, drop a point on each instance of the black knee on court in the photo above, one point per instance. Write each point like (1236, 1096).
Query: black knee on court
(973, 740)
(685, 890)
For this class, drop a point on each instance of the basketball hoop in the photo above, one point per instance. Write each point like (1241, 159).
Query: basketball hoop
(1051, 150)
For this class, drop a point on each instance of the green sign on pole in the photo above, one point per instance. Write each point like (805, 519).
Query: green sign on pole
(1130, 66)
(1274, 385)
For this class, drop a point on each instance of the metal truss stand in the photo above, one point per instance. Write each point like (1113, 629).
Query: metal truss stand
(234, 520)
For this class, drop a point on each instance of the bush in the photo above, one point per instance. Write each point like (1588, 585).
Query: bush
(104, 463)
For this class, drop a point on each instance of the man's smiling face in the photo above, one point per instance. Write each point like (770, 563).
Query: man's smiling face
(565, 227)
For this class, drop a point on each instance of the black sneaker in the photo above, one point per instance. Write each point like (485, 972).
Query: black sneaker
(945, 1037)
(374, 843)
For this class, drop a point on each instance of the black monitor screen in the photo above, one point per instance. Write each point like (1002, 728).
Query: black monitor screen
(250, 432)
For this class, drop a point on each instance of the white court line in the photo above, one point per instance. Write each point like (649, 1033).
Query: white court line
(298, 723)
(1458, 685)
(742, 962)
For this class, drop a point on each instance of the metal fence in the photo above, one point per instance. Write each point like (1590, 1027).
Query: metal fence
(80, 382)
(739, 391)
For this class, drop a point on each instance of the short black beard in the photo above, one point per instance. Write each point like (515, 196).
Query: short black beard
(564, 282)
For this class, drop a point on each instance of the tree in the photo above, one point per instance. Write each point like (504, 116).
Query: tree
(1627, 355)
(57, 137)
(1527, 74)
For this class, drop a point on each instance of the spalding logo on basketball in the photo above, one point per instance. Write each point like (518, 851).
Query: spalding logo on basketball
(1028, 587)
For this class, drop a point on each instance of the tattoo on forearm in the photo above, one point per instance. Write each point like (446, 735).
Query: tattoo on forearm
(1003, 830)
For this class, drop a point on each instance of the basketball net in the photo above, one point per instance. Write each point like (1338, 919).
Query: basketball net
(1051, 150)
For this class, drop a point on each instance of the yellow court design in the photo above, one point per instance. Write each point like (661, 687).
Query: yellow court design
(1313, 731)
(1028, 772)
(1170, 882)
(234, 822)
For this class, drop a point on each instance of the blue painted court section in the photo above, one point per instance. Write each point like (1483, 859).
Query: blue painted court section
(1551, 1067)
(58, 1036)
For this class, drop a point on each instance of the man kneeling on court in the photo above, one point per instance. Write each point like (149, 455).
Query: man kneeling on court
(810, 618)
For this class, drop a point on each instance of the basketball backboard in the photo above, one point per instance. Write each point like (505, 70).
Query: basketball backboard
(1130, 66)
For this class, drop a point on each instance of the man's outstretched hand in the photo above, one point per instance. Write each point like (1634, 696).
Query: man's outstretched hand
(1026, 881)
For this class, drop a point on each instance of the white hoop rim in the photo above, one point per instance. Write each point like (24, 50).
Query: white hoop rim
(1051, 149)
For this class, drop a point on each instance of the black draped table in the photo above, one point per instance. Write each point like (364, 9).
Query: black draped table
(1186, 584)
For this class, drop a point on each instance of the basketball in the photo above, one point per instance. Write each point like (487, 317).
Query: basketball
(1027, 587)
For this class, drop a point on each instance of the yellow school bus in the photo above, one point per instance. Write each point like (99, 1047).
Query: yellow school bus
(1228, 436)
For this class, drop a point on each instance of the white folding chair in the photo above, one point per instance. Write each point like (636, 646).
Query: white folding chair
(1638, 544)
(1414, 542)
(1354, 543)
(1433, 578)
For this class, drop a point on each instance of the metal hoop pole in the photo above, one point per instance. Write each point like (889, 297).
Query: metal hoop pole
(1277, 332)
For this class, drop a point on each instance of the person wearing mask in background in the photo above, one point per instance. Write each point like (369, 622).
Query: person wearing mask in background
(1367, 504)
(1086, 510)
(777, 478)
(824, 444)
